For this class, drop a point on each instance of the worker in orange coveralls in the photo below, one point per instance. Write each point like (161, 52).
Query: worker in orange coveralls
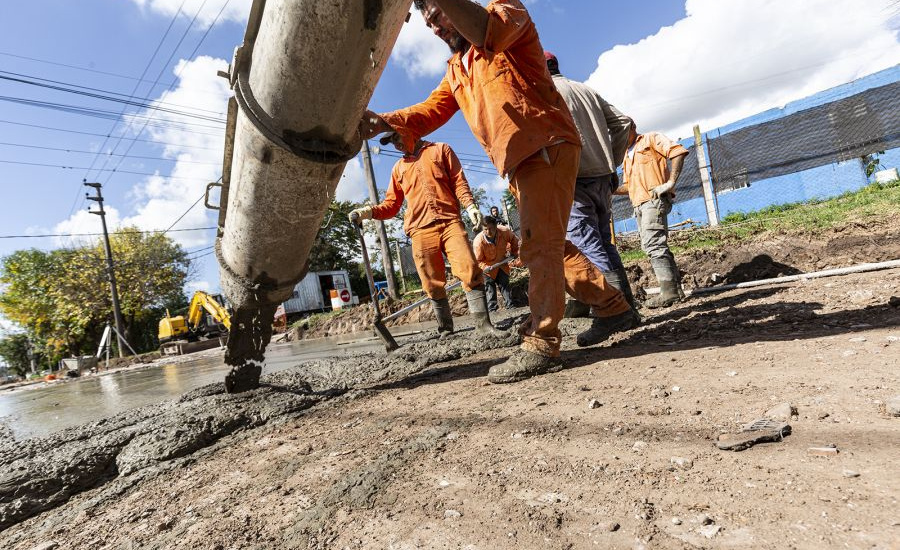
(431, 179)
(497, 76)
(492, 247)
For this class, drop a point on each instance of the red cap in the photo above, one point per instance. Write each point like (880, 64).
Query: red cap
(549, 56)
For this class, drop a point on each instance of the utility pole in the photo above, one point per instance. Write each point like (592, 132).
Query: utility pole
(117, 310)
(382, 232)
(709, 193)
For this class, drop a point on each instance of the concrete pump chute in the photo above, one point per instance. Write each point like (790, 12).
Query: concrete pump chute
(302, 79)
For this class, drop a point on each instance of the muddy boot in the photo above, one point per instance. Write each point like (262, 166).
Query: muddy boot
(521, 365)
(669, 289)
(618, 279)
(444, 316)
(576, 309)
(478, 307)
(243, 378)
(604, 327)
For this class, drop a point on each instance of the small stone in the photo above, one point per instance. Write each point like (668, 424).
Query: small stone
(676, 521)
(782, 412)
(682, 463)
(709, 531)
(894, 301)
(704, 519)
(610, 526)
(658, 393)
(444, 483)
(676, 388)
(851, 473)
(849, 353)
(857, 339)
(731, 373)
(822, 415)
(828, 450)
(594, 404)
(639, 446)
(49, 545)
(452, 436)
(893, 406)
(452, 514)
(619, 431)
(584, 388)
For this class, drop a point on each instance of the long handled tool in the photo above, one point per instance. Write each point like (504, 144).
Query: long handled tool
(418, 303)
(389, 343)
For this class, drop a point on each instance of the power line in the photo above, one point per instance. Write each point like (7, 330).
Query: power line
(66, 130)
(27, 146)
(106, 95)
(110, 115)
(151, 232)
(43, 165)
(177, 75)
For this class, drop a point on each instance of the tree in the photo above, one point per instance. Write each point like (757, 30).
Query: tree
(61, 297)
(510, 200)
(14, 351)
(337, 244)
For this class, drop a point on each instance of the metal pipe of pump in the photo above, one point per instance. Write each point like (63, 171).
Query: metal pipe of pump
(302, 79)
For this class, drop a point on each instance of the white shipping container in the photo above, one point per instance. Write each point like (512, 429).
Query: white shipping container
(313, 293)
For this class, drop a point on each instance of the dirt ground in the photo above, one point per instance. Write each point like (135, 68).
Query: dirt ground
(435, 457)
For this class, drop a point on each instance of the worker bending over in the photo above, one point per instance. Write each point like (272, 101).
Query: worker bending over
(492, 246)
(650, 183)
(431, 179)
(604, 133)
(498, 78)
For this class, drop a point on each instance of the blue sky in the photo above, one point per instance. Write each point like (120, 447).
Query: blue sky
(667, 63)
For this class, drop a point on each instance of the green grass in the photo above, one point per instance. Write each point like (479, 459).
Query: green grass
(877, 200)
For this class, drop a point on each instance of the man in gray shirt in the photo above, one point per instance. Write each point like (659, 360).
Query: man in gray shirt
(604, 134)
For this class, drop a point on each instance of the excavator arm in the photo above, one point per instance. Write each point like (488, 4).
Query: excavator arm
(204, 302)
(302, 79)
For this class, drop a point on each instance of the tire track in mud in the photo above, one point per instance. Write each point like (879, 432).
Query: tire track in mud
(42, 473)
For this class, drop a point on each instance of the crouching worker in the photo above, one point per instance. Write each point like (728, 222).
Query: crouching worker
(431, 179)
(492, 247)
(649, 182)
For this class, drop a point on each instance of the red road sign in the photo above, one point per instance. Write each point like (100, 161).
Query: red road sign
(345, 296)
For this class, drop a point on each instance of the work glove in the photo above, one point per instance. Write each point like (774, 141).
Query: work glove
(475, 215)
(661, 190)
(360, 214)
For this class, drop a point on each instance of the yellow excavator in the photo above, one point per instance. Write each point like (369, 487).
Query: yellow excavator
(206, 318)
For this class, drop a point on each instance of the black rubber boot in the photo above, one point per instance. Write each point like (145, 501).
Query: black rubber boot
(478, 307)
(604, 327)
(618, 279)
(521, 365)
(668, 295)
(444, 316)
(576, 309)
(669, 288)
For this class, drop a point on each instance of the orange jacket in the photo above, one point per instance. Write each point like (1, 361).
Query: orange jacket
(488, 253)
(646, 165)
(433, 184)
(507, 95)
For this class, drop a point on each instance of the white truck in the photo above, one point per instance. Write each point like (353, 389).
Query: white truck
(314, 293)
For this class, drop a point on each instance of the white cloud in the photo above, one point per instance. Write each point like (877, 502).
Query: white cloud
(159, 200)
(82, 222)
(418, 50)
(236, 10)
(728, 60)
(193, 286)
(352, 185)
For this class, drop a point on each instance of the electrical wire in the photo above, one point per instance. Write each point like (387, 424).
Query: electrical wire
(62, 167)
(69, 131)
(150, 232)
(28, 146)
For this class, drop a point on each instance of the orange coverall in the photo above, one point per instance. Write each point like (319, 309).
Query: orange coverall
(511, 105)
(434, 186)
(488, 253)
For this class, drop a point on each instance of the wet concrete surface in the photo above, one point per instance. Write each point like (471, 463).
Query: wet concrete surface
(42, 410)
(118, 450)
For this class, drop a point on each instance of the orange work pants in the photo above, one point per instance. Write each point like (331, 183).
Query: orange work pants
(544, 187)
(429, 244)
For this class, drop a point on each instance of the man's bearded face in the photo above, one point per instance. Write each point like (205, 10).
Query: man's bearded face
(443, 28)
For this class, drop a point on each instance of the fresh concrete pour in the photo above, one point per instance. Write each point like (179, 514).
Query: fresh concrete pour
(119, 452)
